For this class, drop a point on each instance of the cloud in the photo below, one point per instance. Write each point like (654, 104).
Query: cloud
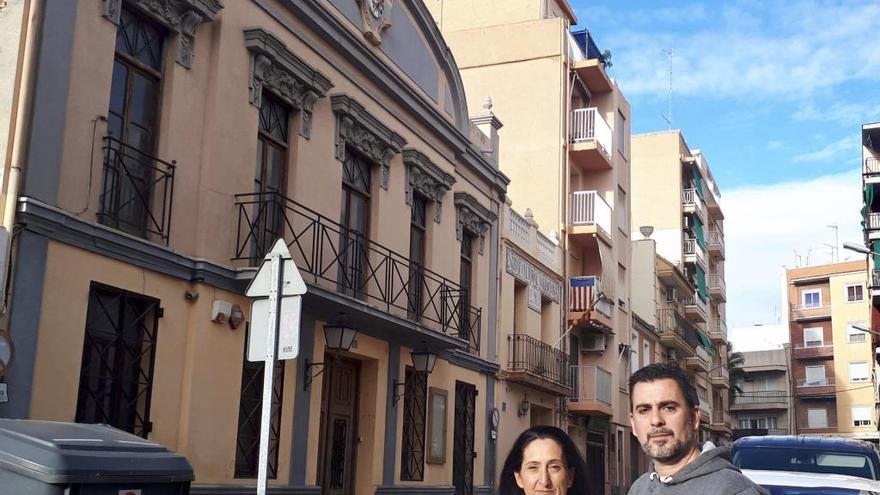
(829, 151)
(773, 226)
(775, 145)
(781, 50)
(839, 112)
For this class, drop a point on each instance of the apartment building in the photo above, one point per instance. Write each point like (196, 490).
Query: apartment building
(871, 216)
(762, 407)
(566, 150)
(676, 198)
(832, 360)
(160, 148)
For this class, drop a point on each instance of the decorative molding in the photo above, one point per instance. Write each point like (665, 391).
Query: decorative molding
(540, 284)
(473, 217)
(276, 68)
(426, 178)
(357, 128)
(179, 16)
(376, 15)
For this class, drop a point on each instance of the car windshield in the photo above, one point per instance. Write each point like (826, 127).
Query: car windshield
(786, 459)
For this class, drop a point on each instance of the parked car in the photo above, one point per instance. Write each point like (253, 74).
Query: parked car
(808, 455)
(800, 483)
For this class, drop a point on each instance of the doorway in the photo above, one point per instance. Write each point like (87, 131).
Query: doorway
(339, 400)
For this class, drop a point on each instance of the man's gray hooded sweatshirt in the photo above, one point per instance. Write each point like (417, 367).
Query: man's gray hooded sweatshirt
(710, 473)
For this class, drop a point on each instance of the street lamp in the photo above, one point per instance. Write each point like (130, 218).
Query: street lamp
(423, 361)
(852, 246)
(338, 336)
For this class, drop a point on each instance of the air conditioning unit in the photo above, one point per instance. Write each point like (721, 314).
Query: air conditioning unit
(671, 294)
(593, 342)
(671, 354)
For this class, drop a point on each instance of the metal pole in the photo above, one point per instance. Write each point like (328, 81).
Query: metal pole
(269, 371)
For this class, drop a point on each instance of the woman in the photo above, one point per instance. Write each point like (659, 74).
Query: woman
(543, 459)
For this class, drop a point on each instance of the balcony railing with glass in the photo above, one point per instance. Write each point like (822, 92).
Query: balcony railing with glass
(591, 383)
(534, 362)
(137, 192)
(588, 125)
(333, 256)
(588, 208)
(587, 45)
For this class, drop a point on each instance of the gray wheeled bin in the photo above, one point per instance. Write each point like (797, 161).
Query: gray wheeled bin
(49, 458)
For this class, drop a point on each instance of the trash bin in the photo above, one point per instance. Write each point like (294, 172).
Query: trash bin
(50, 458)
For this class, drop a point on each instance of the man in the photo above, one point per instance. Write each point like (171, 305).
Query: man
(665, 417)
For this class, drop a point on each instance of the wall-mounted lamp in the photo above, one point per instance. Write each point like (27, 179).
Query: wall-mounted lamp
(423, 361)
(338, 337)
(523, 409)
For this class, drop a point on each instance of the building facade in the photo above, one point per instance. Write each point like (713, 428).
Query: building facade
(762, 407)
(158, 150)
(832, 361)
(566, 149)
(677, 200)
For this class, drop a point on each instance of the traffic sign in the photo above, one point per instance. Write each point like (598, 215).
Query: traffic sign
(288, 332)
(292, 284)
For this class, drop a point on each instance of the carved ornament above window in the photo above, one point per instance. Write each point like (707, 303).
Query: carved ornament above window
(427, 179)
(275, 68)
(178, 16)
(357, 128)
(472, 217)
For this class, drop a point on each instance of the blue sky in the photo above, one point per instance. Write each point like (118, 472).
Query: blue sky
(775, 93)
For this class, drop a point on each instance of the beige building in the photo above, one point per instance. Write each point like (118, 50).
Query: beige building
(762, 407)
(157, 151)
(832, 360)
(676, 200)
(565, 146)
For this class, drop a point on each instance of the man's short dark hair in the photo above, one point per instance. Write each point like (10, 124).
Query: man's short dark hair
(660, 371)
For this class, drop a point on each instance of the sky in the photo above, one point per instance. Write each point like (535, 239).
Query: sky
(774, 93)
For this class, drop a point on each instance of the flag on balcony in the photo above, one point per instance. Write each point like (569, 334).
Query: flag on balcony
(581, 292)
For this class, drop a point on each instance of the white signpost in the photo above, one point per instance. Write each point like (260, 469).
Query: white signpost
(277, 291)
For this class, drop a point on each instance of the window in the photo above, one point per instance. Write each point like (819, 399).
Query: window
(620, 133)
(412, 463)
(854, 335)
(815, 375)
(811, 298)
(817, 418)
(417, 240)
(250, 406)
(646, 353)
(634, 353)
(757, 423)
(861, 415)
(859, 371)
(131, 122)
(270, 175)
(118, 359)
(855, 292)
(621, 213)
(356, 184)
(464, 279)
(813, 337)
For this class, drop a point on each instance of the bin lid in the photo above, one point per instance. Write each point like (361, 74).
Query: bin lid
(57, 453)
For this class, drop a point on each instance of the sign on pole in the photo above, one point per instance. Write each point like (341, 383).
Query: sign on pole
(277, 289)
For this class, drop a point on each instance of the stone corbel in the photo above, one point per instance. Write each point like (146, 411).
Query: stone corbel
(357, 128)
(472, 217)
(178, 16)
(426, 178)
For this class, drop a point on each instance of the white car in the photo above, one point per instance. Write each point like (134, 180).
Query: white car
(800, 483)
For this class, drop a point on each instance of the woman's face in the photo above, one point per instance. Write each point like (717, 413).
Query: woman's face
(543, 470)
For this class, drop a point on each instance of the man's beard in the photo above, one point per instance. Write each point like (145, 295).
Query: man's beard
(674, 447)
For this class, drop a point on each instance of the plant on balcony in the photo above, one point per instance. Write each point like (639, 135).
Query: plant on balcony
(605, 58)
(736, 374)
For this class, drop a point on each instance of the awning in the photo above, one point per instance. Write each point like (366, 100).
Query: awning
(609, 271)
(706, 343)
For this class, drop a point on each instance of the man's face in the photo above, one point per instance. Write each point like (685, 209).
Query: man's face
(662, 421)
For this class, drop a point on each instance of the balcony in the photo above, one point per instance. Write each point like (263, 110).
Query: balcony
(334, 258)
(717, 287)
(524, 232)
(592, 392)
(765, 399)
(872, 225)
(802, 312)
(693, 203)
(872, 168)
(720, 422)
(695, 308)
(813, 350)
(675, 331)
(538, 365)
(705, 410)
(588, 62)
(590, 215)
(719, 376)
(694, 253)
(718, 331)
(716, 243)
(700, 360)
(587, 308)
(590, 137)
(818, 386)
(137, 192)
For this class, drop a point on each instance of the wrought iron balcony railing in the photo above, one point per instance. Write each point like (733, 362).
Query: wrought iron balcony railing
(346, 261)
(671, 321)
(137, 191)
(531, 355)
(761, 397)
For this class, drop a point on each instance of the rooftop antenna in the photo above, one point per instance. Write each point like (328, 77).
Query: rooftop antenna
(668, 117)
(835, 254)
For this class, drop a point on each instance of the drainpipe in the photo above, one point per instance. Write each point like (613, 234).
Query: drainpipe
(33, 13)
